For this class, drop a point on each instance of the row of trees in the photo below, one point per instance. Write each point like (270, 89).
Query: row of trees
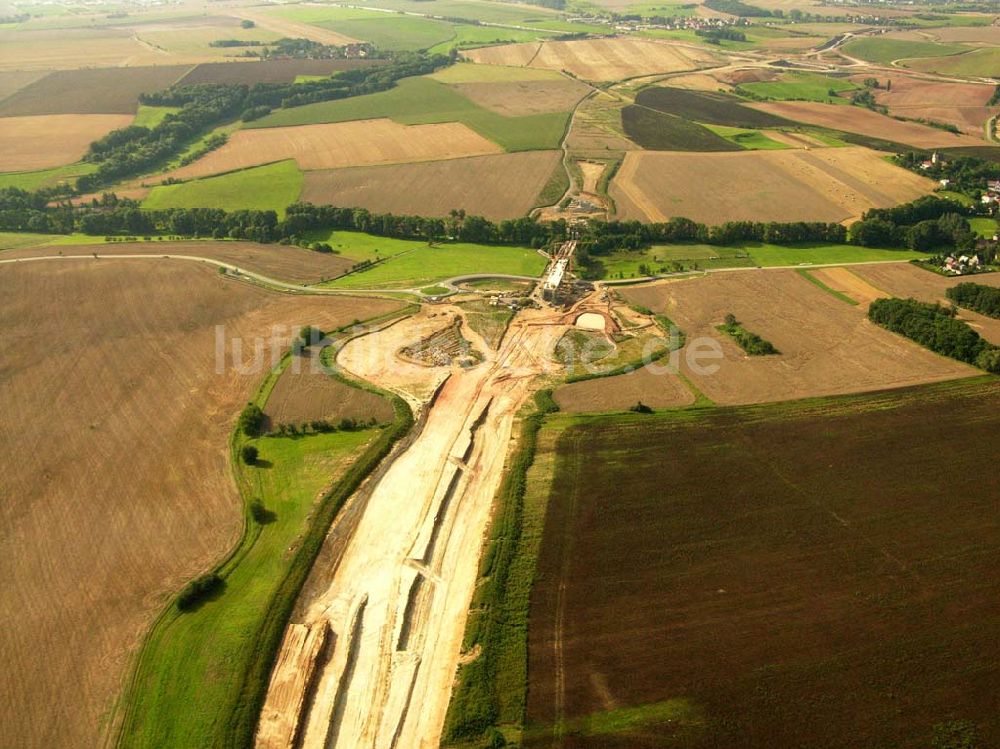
(135, 150)
(936, 328)
(975, 296)
(927, 223)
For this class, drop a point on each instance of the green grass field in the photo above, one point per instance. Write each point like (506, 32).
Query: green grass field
(477, 10)
(420, 101)
(360, 247)
(752, 140)
(427, 265)
(802, 86)
(982, 63)
(466, 36)
(44, 177)
(150, 117)
(191, 664)
(684, 257)
(268, 187)
(984, 227)
(884, 51)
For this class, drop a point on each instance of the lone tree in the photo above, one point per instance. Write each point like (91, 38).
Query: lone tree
(252, 420)
(249, 454)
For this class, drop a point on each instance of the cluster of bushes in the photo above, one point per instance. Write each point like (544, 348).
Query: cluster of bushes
(982, 299)
(927, 223)
(134, 150)
(752, 343)
(935, 327)
(715, 36)
(322, 426)
(739, 8)
(198, 590)
(212, 142)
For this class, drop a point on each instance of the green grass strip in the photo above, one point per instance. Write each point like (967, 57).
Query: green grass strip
(816, 282)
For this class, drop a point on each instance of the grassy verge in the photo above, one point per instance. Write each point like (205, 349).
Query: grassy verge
(202, 676)
(816, 282)
(491, 689)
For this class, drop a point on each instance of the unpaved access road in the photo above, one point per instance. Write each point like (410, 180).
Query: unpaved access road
(394, 615)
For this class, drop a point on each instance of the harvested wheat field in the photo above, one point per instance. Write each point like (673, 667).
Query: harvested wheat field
(654, 385)
(45, 141)
(281, 262)
(597, 59)
(831, 184)
(827, 346)
(63, 49)
(848, 283)
(13, 81)
(91, 91)
(907, 281)
(305, 392)
(697, 82)
(521, 98)
(341, 144)
(497, 187)
(866, 122)
(117, 484)
(293, 29)
(960, 104)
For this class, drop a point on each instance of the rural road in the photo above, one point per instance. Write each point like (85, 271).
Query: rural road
(274, 283)
(397, 604)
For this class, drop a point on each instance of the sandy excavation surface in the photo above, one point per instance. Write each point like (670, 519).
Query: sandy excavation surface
(398, 599)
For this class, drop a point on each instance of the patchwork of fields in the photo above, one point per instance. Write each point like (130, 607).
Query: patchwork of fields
(866, 122)
(598, 59)
(342, 144)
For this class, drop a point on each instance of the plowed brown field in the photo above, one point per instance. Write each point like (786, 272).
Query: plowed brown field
(866, 122)
(961, 104)
(497, 187)
(115, 465)
(343, 144)
(597, 59)
(827, 346)
(828, 184)
(305, 393)
(800, 575)
(658, 389)
(45, 141)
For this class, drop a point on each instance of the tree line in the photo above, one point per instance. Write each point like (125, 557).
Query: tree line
(982, 299)
(135, 150)
(936, 327)
(928, 222)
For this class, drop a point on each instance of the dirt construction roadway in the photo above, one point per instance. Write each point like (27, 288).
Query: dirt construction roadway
(373, 663)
